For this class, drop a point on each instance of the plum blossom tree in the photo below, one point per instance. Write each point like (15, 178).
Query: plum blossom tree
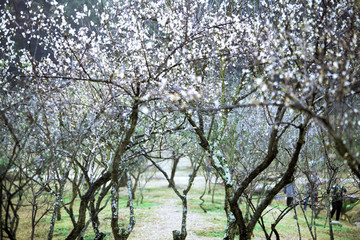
(312, 61)
(100, 84)
(117, 66)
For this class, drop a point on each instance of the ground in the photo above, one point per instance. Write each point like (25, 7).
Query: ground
(160, 213)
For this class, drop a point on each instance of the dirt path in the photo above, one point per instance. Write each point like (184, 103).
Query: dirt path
(166, 218)
(159, 221)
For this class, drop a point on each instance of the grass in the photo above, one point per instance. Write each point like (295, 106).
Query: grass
(61, 232)
(213, 234)
(210, 207)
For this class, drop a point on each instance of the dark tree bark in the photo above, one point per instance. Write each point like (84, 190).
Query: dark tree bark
(174, 166)
(85, 199)
(114, 172)
(246, 230)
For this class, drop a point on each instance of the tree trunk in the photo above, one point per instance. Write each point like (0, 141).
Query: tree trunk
(1, 216)
(84, 203)
(94, 218)
(123, 181)
(115, 201)
(52, 221)
(213, 190)
(58, 213)
(173, 169)
(231, 225)
(133, 190)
